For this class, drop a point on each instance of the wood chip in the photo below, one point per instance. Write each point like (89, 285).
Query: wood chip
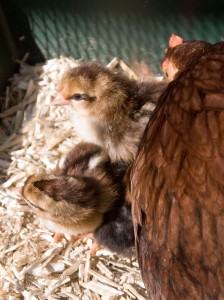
(133, 291)
(49, 254)
(13, 179)
(27, 295)
(102, 289)
(104, 270)
(69, 296)
(15, 108)
(14, 142)
(69, 271)
(103, 279)
(56, 285)
(13, 248)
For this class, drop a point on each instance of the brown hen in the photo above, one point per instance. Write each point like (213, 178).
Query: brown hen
(176, 186)
(181, 54)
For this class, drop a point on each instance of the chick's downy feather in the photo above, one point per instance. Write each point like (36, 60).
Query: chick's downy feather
(75, 197)
(108, 109)
(176, 186)
(86, 195)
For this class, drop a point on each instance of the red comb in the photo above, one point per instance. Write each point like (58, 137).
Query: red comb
(175, 40)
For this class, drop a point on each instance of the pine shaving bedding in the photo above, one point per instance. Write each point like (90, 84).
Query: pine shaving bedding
(36, 136)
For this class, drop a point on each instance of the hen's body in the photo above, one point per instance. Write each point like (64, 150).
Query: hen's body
(177, 187)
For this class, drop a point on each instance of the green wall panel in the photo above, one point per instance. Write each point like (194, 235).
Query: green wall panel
(126, 29)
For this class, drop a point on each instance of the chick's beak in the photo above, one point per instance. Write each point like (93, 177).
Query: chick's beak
(18, 190)
(60, 100)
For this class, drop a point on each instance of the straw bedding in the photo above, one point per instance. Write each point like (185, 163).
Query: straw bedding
(36, 136)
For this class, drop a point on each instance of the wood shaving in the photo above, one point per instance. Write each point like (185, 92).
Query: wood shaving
(36, 136)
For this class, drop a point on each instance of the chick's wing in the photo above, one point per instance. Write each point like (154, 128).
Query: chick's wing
(177, 187)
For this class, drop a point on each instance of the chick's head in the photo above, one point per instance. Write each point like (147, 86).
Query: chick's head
(75, 203)
(91, 89)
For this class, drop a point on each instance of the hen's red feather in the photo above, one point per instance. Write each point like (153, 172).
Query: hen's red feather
(176, 186)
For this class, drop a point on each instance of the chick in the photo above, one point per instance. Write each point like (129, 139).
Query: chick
(116, 232)
(108, 109)
(85, 196)
(181, 54)
(70, 205)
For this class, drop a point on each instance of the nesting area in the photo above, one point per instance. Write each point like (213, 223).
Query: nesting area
(35, 136)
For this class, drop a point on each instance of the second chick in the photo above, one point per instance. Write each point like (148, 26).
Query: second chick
(85, 196)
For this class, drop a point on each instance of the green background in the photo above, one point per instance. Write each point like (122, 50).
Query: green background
(104, 29)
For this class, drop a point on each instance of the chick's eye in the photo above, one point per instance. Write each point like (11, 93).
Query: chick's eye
(33, 205)
(79, 97)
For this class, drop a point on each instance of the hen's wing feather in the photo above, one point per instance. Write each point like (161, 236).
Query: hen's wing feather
(177, 187)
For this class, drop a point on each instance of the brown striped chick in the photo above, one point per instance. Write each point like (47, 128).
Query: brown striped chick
(85, 196)
(108, 109)
(82, 186)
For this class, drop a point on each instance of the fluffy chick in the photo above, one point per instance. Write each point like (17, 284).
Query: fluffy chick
(70, 205)
(116, 231)
(85, 196)
(108, 109)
